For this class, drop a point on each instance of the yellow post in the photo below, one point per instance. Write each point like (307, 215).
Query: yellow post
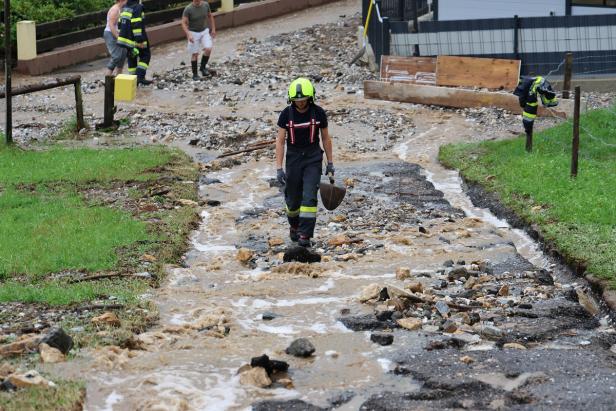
(226, 6)
(26, 40)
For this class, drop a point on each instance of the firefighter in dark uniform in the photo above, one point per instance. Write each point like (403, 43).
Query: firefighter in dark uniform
(527, 91)
(135, 39)
(302, 125)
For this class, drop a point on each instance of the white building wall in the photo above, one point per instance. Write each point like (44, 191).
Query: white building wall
(489, 9)
(587, 11)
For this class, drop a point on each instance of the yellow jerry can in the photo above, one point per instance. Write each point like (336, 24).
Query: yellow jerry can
(125, 87)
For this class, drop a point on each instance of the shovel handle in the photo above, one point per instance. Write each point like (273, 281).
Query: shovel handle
(331, 178)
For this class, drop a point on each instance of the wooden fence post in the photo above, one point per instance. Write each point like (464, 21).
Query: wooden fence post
(79, 105)
(109, 101)
(576, 134)
(568, 71)
(8, 125)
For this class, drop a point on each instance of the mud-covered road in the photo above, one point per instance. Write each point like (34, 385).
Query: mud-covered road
(480, 318)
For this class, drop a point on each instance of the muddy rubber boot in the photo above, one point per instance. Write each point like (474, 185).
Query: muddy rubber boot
(293, 234)
(304, 242)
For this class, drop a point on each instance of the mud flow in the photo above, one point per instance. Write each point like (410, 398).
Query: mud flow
(421, 300)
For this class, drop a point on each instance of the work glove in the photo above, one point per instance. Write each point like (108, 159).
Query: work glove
(135, 52)
(281, 176)
(330, 170)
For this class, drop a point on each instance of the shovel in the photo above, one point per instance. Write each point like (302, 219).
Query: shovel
(363, 49)
(331, 196)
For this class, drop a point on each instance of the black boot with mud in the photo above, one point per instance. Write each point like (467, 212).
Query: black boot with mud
(301, 255)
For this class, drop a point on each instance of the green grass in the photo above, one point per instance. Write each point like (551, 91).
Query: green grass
(79, 165)
(577, 215)
(57, 293)
(48, 227)
(66, 396)
(44, 232)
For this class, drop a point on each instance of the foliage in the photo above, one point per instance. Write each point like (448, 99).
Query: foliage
(576, 214)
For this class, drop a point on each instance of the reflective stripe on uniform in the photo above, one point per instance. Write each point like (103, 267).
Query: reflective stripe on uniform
(136, 20)
(291, 213)
(143, 65)
(126, 42)
(308, 212)
(126, 14)
(137, 31)
(529, 115)
(536, 103)
(132, 70)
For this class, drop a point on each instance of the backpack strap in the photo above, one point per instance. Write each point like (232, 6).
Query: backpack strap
(291, 125)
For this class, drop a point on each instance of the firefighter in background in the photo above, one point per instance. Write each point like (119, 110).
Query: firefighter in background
(135, 39)
(299, 126)
(527, 91)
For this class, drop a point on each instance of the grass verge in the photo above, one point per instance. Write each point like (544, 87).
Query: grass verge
(66, 396)
(577, 216)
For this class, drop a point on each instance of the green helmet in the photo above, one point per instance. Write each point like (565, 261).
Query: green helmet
(301, 88)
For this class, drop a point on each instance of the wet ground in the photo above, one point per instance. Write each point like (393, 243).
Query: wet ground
(480, 318)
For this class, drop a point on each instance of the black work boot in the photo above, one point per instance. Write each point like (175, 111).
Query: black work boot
(304, 242)
(293, 234)
(143, 82)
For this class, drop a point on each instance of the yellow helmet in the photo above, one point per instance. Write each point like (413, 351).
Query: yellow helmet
(301, 89)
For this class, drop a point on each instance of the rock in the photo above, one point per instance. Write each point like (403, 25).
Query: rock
(467, 359)
(503, 291)
(490, 332)
(6, 369)
(301, 255)
(187, 203)
(384, 294)
(544, 278)
(382, 338)
(422, 230)
(149, 258)
(370, 292)
(448, 263)
(57, 338)
(19, 347)
(50, 355)
(271, 366)
(442, 308)
(108, 318)
(213, 203)
(29, 379)
(244, 255)
(457, 273)
(415, 287)
(470, 283)
(286, 405)
(367, 322)
(403, 273)
(514, 346)
(410, 323)
(588, 302)
(473, 318)
(6, 385)
(349, 182)
(339, 240)
(338, 219)
(256, 376)
(275, 241)
(268, 316)
(300, 348)
(450, 327)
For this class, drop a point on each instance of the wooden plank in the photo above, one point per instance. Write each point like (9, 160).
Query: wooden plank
(494, 74)
(405, 68)
(453, 97)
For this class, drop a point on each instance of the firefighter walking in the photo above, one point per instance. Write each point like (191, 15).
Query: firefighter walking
(302, 125)
(134, 37)
(527, 91)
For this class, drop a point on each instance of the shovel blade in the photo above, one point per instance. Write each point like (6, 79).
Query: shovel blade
(331, 196)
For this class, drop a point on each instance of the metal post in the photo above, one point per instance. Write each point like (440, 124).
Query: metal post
(8, 126)
(568, 70)
(79, 106)
(386, 38)
(415, 24)
(516, 37)
(401, 10)
(576, 134)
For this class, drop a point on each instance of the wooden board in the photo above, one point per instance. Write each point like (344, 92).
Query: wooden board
(493, 74)
(405, 68)
(453, 97)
